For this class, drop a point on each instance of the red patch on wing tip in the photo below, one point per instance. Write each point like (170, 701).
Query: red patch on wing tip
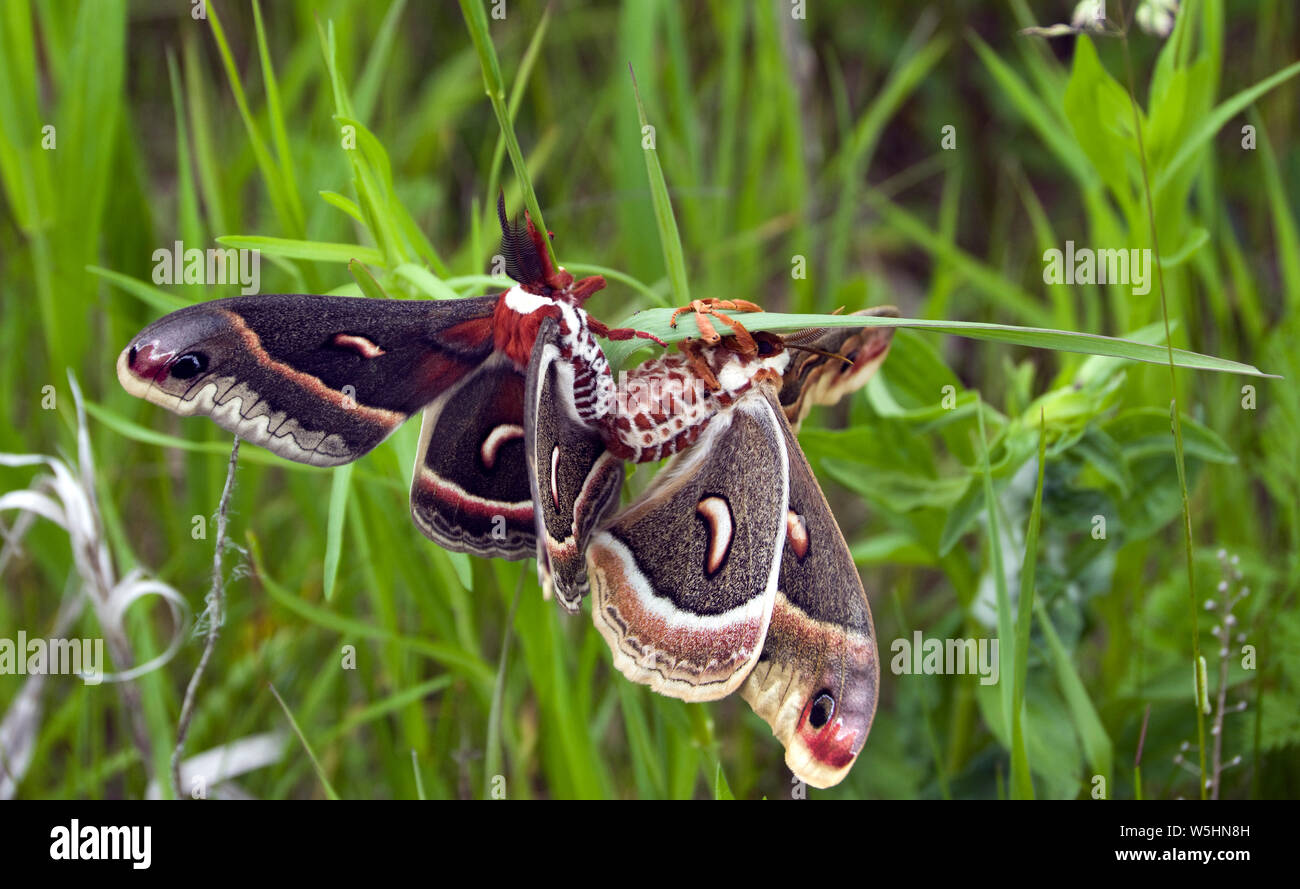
(147, 363)
(834, 745)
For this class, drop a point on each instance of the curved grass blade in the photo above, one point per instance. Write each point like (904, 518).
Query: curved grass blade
(656, 321)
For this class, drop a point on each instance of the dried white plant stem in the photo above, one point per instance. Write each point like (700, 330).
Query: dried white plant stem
(215, 614)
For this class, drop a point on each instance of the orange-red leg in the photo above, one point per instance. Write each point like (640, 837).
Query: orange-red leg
(699, 364)
(620, 333)
(703, 308)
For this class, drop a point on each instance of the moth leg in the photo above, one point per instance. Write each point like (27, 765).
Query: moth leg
(701, 309)
(744, 344)
(694, 352)
(620, 333)
(708, 333)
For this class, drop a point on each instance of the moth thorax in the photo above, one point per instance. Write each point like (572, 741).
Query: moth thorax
(737, 372)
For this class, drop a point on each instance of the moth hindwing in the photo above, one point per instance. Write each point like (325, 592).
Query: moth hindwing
(469, 489)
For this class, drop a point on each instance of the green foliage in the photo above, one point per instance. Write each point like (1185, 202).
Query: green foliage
(968, 477)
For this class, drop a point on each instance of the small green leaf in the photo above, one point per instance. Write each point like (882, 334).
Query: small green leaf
(669, 238)
(320, 251)
(347, 205)
(721, 789)
(366, 281)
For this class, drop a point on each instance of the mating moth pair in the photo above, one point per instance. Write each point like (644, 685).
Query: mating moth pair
(728, 573)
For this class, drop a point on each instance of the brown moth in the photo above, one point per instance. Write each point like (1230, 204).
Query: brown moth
(730, 573)
(324, 379)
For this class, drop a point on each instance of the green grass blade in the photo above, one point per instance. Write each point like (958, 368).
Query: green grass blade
(426, 283)
(492, 766)
(419, 779)
(516, 98)
(372, 75)
(290, 248)
(1097, 746)
(315, 763)
(476, 21)
(669, 238)
(146, 293)
(366, 281)
(279, 133)
(1022, 783)
(1006, 647)
(346, 204)
(339, 483)
(284, 204)
(655, 321)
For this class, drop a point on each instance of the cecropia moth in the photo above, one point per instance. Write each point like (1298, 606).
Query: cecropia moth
(324, 379)
(730, 572)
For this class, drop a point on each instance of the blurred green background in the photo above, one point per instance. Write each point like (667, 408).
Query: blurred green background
(783, 130)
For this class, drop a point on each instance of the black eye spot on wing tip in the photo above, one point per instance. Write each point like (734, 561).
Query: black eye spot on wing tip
(189, 365)
(823, 708)
(130, 356)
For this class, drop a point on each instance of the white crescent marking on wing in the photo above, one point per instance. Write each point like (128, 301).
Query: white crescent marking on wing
(496, 438)
(555, 459)
(359, 344)
(717, 513)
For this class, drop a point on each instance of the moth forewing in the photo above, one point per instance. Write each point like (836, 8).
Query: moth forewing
(324, 379)
(316, 379)
(684, 579)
